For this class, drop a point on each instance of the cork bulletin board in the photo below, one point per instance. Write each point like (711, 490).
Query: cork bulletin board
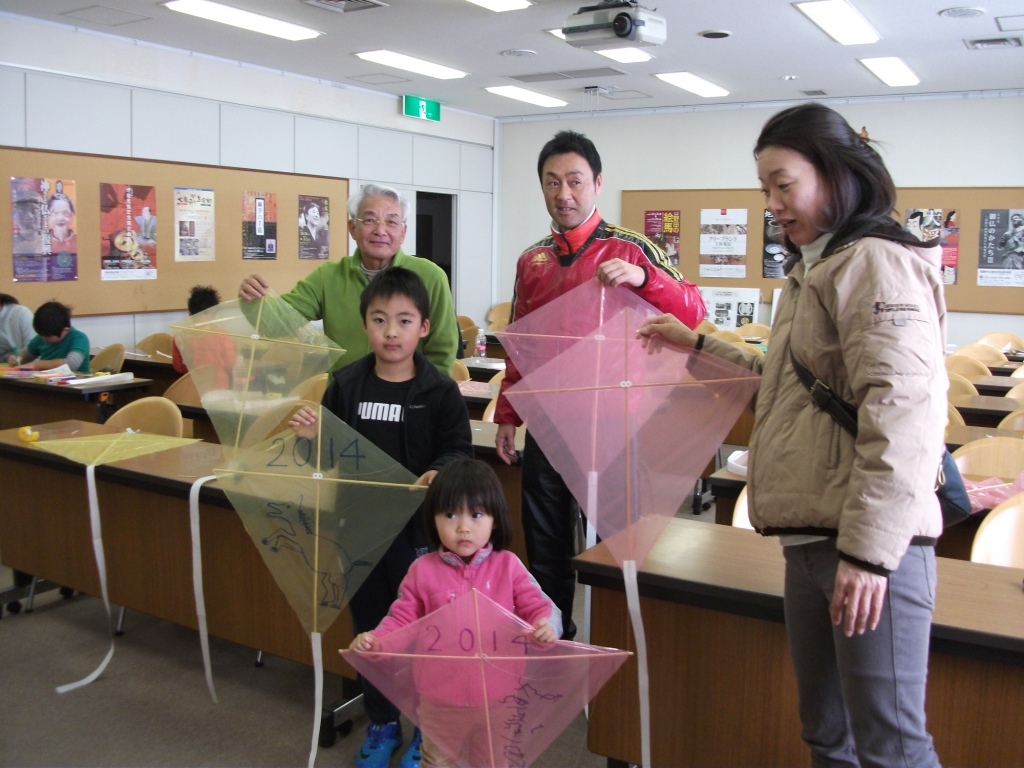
(968, 202)
(90, 295)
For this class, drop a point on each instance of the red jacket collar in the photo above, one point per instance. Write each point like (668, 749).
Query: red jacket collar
(573, 240)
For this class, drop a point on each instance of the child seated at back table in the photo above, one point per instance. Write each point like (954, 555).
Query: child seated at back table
(467, 518)
(214, 350)
(400, 402)
(56, 342)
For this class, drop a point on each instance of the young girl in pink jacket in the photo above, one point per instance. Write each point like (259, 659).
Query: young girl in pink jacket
(467, 519)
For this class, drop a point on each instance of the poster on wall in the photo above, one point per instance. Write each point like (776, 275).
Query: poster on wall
(1001, 250)
(730, 308)
(44, 244)
(941, 224)
(193, 224)
(723, 242)
(259, 225)
(662, 228)
(774, 253)
(127, 232)
(314, 227)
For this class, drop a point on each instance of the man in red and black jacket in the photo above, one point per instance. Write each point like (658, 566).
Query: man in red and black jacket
(581, 246)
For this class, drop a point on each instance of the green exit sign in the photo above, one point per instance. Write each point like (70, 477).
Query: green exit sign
(424, 109)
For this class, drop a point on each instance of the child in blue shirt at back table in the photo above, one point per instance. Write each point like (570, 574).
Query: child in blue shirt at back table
(400, 402)
(56, 342)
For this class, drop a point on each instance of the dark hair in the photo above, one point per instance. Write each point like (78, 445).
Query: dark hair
(860, 186)
(469, 483)
(396, 281)
(565, 142)
(51, 319)
(202, 297)
(311, 204)
(6, 298)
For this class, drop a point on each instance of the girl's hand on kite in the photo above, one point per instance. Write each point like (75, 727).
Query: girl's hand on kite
(303, 422)
(363, 642)
(426, 478)
(665, 331)
(543, 634)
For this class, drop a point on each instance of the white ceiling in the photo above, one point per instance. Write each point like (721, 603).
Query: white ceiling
(770, 40)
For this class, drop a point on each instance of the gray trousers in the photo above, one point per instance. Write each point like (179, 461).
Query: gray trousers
(861, 697)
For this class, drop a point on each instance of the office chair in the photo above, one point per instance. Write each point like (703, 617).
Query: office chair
(953, 417)
(1017, 392)
(755, 329)
(459, 371)
(740, 513)
(967, 367)
(312, 388)
(499, 315)
(1001, 340)
(983, 352)
(960, 385)
(156, 345)
(1000, 537)
(108, 359)
(152, 415)
(706, 327)
(991, 457)
(183, 392)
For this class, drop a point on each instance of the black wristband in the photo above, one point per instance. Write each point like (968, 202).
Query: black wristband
(700, 342)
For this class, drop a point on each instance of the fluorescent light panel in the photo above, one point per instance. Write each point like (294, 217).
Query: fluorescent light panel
(690, 82)
(235, 17)
(840, 21)
(891, 70)
(626, 55)
(502, 5)
(530, 97)
(557, 33)
(411, 64)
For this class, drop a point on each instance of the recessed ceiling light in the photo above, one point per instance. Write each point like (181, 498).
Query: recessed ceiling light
(891, 70)
(530, 97)
(690, 82)
(840, 21)
(789, 77)
(519, 53)
(714, 34)
(235, 17)
(411, 64)
(961, 13)
(557, 33)
(502, 5)
(626, 55)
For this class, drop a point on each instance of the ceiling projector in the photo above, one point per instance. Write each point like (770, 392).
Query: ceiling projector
(614, 24)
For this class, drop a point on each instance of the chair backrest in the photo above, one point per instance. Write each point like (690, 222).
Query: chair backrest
(183, 392)
(730, 336)
(740, 513)
(1001, 340)
(967, 367)
(152, 415)
(1013, 420)
(499, 315)
(465, 322)
(496, 379)
(953, 415)
(488, 414)
(459, 371)
(469, 336)
(959, 385)
(755, 329)
(985, 353)
(991, 457)
(272, 422)
(1016, 392)
(108, 359)
(312, 388)
(706, 327)
(156, 345)
(1000, 537)
(1018, 372)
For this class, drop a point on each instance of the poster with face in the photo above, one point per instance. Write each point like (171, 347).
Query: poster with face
(44, 240)
(314, 227)
(127, 232)
(1001, 248)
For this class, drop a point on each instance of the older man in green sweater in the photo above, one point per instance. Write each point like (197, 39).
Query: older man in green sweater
(377, 222)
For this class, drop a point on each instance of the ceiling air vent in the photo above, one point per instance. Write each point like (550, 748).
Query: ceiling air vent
(346, 6)
(993, 42)
(813, 93)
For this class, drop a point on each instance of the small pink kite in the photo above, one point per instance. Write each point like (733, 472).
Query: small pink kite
(478, 687)
(630, 432)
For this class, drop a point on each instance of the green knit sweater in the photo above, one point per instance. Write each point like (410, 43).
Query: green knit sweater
(331, 293)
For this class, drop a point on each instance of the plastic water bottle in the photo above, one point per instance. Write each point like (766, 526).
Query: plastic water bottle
(481, 344)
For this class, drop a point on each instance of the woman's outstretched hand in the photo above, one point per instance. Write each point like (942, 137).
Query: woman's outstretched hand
(665, 331)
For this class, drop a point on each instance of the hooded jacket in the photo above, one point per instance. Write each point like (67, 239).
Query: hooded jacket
(869, 321)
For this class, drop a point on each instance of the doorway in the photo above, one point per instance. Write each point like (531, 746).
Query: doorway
(435, 223)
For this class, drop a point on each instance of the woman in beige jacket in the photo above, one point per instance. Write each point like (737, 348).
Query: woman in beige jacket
(863, 309)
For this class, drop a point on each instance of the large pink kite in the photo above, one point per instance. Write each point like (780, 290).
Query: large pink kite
(479, 688)
(630, 432)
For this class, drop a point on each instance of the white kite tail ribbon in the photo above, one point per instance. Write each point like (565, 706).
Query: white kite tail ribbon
(101, 567)
(318, 676)
(633, 604)
(197, 579)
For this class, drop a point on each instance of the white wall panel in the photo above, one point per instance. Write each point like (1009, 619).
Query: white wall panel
(326, 148)
(385, 156)
(77, 116)
(435, 163)
(257, 138)
(175, 128)
(12, 116)
(473, 263)
(477, 168)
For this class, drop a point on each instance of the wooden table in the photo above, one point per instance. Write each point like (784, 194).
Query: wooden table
(1004, 369)
(722, 686)
(28, 402)
(996, 386)
(958, 434)
(484, 368)
(154, 367)
(984, 410)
